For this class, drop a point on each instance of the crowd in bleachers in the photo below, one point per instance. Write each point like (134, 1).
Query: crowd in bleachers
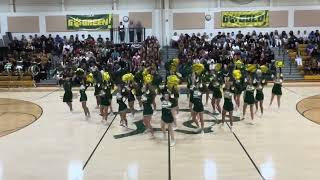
(252, 48)
(67, 54)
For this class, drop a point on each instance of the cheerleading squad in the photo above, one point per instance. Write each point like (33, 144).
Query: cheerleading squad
(216, 83)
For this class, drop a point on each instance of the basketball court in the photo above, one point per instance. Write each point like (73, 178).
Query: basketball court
(41, 139)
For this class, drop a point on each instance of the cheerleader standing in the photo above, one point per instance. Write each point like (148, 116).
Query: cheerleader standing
(216, 96)
(122, 108)
(259, 96)
(249, 100)
(104, 104)
(277, 89)
(167, 117)
(174, 99)
(67, 97)
(227, 105)
(83, 100)
(130, 98)
(198, 109)
(147, 100)
(97, 90)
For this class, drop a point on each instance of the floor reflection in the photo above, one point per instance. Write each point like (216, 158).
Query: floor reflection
(267, 169)
(132, 172)
(75, 171)
(210, 170)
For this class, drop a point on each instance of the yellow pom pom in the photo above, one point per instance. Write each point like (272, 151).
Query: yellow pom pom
(218, 67)
(173, 81)
(279, 64)
(239, 64)
(237, 74)
(198, 68)
(148, 79)
(128, 77)
(106, 76)
(175, 61)
(251, 68)
(90, 78)
(264, 68)
(145, 72)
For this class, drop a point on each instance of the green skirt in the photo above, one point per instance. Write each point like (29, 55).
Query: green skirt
(167, 116)
(198, 106)
(67, 97)
(259, 95)
(249, 98)
(96, 90)
(83, 98)
(105, 101)
(276, 90)
(147, 109)
(228, 105)
(217, 93)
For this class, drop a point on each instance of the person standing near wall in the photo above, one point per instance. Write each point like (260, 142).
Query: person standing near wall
(131, 32)
(139, 31)
(121, 32)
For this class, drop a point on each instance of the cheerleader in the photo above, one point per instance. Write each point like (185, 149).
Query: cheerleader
(174, 99)
(167, 117)
(130, 97)
(259, 95)
(97, 90)
(67, 97)
(237, 91)
(216, 95)
(104, 103)
(122, 107)
(83, 100)
(249, 100)
(277, 89)
(147, 99)
(198, 108)
(227, 105)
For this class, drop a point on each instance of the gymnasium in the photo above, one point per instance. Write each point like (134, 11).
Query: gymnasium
(159, 89)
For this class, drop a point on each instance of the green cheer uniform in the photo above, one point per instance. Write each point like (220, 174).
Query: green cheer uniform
(122, 106)
(130, 95)
(197, 101)
(147, 101)
(97, 89)
(191, 96)
(228, 105)
(104, 99)
(259, 93)
(174, 99)
(83, 95)
(67, 97)
(238, 87)
(216, 93)
(166, 115)
(249, 95)
(139, 91)
(276, 89)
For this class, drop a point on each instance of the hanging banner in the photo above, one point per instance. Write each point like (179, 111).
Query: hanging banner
(239, 19)
(89, 22)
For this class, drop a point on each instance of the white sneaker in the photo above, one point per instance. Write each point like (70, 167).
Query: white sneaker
(172, 143)
(202, 133)
(251, 123)
(175, 128)
(164, 137)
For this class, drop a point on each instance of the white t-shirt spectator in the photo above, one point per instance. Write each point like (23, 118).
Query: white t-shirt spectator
(175, 38)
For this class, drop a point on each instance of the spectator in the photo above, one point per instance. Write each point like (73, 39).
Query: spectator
(121, 30)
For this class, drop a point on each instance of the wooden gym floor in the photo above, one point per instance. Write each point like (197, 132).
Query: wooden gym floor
(41, 140)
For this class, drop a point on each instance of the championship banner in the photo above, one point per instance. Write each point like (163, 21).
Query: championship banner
(89, 22)
(240, 19)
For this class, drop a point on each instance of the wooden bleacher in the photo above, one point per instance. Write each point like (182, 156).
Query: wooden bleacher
(305, 58)
(15, 80)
